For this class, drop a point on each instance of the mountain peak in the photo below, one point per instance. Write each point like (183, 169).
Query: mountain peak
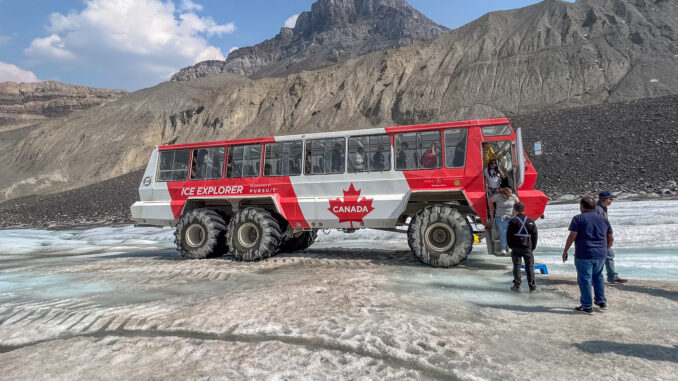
(332, 31)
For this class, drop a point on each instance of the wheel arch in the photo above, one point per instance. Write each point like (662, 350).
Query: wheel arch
(419, 199)
(228, 206)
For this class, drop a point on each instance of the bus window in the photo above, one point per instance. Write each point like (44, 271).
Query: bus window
(418, 150)
(244, 161)
(207, 163)
(369, 153)
(325, 156)
(283, 159)
(455, 148)
(173, 165)
(500, 130)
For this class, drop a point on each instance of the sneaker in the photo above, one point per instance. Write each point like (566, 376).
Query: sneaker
(603, 305)
(585, 310)
(533, 288)
(503, 253)
(516, 289)
(619, 280)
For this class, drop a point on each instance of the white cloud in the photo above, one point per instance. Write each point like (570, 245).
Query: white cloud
(291, 21)
(49, 47)
(9, 72)
(4, 39)
(188, 5)
(141, 41)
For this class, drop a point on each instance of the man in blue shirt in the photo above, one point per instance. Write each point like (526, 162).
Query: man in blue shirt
(591, 234)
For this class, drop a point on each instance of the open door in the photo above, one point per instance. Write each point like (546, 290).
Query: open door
(503, 152)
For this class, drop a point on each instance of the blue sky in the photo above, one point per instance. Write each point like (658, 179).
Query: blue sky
(132, 44)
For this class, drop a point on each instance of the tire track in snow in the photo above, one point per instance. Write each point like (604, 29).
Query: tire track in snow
(311, 343)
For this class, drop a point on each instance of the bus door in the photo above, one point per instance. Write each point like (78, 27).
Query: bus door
(500, 152)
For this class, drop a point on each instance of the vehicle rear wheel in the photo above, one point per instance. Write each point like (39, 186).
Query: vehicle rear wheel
(201, 233)
(253, 234)
(301, 242)
(439, 236)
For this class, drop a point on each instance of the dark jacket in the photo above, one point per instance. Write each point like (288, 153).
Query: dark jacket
(519, 238)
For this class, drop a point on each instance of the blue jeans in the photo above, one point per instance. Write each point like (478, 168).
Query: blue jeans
(609, 266)
(590, 272)
(502, 225)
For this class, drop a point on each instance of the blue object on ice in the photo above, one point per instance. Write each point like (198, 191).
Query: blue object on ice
(541, 267)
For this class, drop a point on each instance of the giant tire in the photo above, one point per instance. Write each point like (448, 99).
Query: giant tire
(439, 236)
(201, 233)
(303, 241)
(253, 234)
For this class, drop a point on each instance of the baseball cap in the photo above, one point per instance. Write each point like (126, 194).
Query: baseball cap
(606, 194)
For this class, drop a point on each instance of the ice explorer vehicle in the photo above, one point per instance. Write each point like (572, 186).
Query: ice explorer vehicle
(253, 198)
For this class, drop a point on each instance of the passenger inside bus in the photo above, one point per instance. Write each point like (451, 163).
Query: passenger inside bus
(357, 160)
(401, 161)
(431, 158)
(459, 155)
(338, 158)
(201, 166)
(378, 160)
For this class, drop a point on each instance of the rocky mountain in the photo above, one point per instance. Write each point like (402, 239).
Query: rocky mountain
(552, 55)
(23, 104)
(333, 31)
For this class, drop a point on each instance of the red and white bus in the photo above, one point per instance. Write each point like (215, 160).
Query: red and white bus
(253, 198)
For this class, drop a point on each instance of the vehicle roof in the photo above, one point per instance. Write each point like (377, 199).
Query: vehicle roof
(318, 135)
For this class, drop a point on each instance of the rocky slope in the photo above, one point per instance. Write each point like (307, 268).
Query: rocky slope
(622, 146)
(551, 55)
(23, 104)
(333, 31)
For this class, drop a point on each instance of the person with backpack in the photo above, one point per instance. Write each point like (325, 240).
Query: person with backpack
(521, 236)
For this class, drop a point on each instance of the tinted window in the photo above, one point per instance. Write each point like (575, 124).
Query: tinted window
(283, 159)
(325, 156)
(369, 153)
(173, 165)
(418, 150)
(207, 163)
(497, 130)
(455, 147)
(244, 161)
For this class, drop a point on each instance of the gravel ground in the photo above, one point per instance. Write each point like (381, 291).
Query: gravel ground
(626, 147)
(326, 313)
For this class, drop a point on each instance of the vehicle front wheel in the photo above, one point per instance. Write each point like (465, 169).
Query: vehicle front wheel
(439, 236)
(253, 234)
(201, 233)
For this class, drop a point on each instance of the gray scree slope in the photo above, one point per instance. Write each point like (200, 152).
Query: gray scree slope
(547, 56)
(333, 31)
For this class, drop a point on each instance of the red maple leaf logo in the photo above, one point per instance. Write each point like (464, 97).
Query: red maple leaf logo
(351, 210)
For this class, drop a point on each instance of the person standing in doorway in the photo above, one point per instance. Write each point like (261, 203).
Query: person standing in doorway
(504, 199)
(493, 176)
(521, 237)
(605, 199)
(592, 235)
